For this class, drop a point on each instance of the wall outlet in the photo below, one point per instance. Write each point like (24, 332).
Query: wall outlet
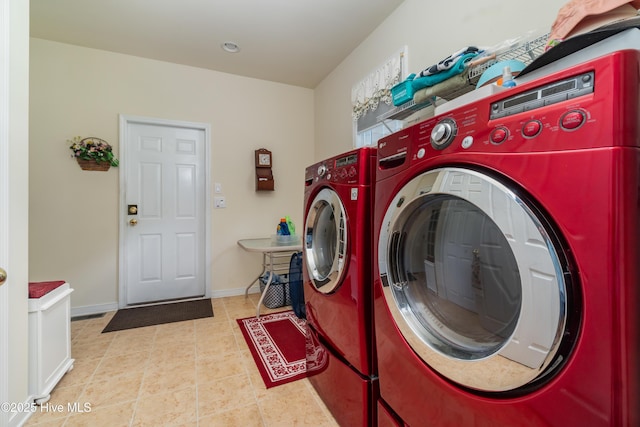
(219, 202)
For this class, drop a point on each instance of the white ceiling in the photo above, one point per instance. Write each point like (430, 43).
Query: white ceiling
(297, 42)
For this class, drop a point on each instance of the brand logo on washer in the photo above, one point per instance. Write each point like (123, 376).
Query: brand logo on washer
(354, 194)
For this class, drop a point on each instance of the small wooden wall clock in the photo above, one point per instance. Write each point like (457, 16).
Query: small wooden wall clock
(264, 175)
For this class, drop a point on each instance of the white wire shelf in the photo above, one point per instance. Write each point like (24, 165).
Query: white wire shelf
(524, 51)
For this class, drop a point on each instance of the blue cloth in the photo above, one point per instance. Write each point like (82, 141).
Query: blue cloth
(457, 68)
(449, 61)
(277, 279)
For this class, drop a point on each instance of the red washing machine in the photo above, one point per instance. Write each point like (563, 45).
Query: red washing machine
(507, 248)
(338, 286)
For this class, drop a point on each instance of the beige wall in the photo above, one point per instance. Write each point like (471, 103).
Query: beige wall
(77, 91)
(431, 31)
(74, 216)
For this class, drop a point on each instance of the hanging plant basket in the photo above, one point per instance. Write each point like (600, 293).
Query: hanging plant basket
(89, 150)
(92, 165)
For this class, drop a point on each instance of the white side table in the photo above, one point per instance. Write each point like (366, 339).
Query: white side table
(272, 260)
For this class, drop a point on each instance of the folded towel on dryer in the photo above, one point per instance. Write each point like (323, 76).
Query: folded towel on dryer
(449, 62)
(442, 89)
(458, 67)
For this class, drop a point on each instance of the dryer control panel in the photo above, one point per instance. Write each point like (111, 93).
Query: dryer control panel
(594, 104)
(341, 169)
(545, 95)
(349, 168)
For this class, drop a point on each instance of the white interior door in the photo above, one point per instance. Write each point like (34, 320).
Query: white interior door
(4, 212)
(5, 106)
(166, 239)
(456, 253)
(4, 288)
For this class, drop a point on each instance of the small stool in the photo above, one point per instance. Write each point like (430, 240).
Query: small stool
(49, 337)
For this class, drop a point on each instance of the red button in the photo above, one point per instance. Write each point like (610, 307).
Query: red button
(572, 120)
(531, 128)
(499, 135)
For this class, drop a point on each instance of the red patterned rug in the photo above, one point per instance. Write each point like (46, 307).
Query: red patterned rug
(277, 343)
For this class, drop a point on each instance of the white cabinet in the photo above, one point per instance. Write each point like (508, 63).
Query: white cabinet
(49, 340)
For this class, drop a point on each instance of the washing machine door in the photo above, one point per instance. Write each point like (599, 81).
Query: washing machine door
(472, 279)
(326, 241)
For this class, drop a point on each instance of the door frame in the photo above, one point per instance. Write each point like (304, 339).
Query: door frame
(4, 206)
(125, 122)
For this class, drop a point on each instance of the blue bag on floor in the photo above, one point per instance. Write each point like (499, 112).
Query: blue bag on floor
(296, 291)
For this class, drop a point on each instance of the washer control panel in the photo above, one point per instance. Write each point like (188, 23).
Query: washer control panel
(587, 106)
(545, 95)
(466, 129)
(341, 169)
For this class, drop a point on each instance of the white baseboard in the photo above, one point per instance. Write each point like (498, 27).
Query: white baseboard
(21, 417)
(103, 308)
(93, 309)
(234, 292)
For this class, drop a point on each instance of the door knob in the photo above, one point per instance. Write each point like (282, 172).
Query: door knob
(133, 221)
(3, 276)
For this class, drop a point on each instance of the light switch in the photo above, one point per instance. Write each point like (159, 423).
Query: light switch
(219, 202)
(218, 188)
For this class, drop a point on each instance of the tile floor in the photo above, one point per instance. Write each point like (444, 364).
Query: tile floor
(194, 373)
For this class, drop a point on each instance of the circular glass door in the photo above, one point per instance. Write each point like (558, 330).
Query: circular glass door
(325, 241)
(472, 279)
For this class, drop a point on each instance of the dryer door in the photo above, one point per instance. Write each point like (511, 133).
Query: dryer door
(326, 241)
(472, 279)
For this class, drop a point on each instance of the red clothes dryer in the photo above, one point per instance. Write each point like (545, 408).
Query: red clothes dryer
(507, 248)
(338, 288)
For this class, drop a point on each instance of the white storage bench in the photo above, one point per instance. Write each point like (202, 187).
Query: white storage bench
(49, 337)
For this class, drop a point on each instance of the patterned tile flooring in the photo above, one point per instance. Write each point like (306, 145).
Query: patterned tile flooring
(197, 373)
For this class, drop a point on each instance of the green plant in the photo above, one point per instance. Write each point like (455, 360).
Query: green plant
(92, 148)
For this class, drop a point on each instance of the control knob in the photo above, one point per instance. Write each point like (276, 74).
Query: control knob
(443, 133)
(572, 120)
(322, 169)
